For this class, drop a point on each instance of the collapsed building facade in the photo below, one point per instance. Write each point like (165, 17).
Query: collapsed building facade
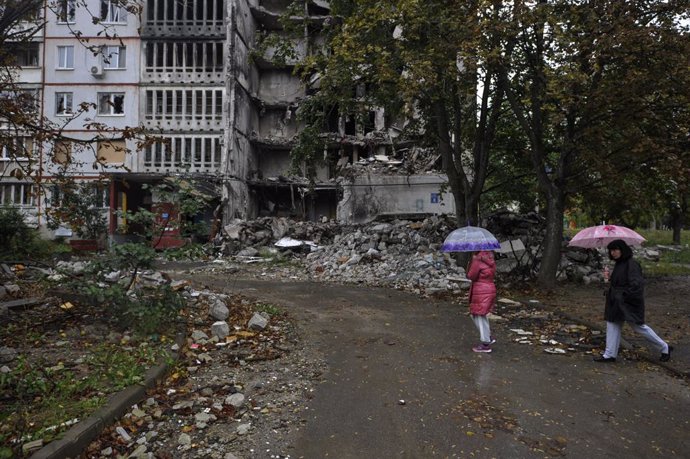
(264, 97)
(188, 72)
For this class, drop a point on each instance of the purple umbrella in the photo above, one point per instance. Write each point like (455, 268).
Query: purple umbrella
(470, 239)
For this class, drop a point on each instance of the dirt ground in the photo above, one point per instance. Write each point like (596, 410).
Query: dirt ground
(667, 306)
(668, 312)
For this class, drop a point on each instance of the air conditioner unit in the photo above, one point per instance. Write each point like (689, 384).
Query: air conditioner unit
(97, 70)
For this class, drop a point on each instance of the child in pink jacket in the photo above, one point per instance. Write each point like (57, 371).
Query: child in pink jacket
(481, 272)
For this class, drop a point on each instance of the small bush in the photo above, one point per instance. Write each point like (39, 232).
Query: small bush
(15, 236)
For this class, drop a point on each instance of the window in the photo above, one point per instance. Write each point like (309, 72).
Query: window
(25, 54)
(62, 152)
(112, 151)
(65, 57)
(111, 103)
(17, 194)
(114, 57)
(13, 148)
(191, 153)
(63, 104)
(66, 10)
(113, 11)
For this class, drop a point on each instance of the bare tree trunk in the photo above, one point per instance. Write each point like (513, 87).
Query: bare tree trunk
(553, 240)
(678, 218)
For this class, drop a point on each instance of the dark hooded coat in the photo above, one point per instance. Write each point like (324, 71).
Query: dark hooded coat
(625, 297)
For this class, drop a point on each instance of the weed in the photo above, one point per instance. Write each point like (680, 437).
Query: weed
(39, 399)
(187, 252)
(268, 308)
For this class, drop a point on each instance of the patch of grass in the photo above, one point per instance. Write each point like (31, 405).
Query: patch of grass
(187, 252)
(664, 237)
(270, 309)
(276, 258)
(659, 269)
(39, 396)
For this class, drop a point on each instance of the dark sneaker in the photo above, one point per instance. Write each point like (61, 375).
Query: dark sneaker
(665, 357)
(603, 359)
(482, 348)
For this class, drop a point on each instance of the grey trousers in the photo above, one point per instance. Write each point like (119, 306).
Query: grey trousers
(613, 338)
(482, 323)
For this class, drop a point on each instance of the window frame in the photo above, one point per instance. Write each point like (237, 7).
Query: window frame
(66, 11)
(26, 191)
(68, 111)
(110, 9)
(112, 104)
(27, 144)
(67, 55)
(121, 50)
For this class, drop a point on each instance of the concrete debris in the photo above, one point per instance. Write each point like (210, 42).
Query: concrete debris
(257, 322)
(236, 400)
(7, 354)
(220, 329)
(219, 310)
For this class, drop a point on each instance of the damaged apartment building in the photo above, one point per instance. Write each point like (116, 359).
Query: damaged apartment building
(187, 71)
(362, 175)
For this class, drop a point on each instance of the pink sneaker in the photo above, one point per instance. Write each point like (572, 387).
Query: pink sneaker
(482, 348)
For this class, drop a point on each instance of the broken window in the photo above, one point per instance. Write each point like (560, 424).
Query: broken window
(114, 57)
(113, 11)
(62, 152)
(112, 151)
(66, 10)
(111, 103)
(63, 104)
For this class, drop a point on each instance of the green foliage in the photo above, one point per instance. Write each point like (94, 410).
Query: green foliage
(268, 308)
(78, 205)
(145, 309)
(185, 197)
(38, 397)
(662, 237)
(16, 237)
(187, 252)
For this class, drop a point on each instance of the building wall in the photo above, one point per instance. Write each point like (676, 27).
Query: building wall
(368, 196)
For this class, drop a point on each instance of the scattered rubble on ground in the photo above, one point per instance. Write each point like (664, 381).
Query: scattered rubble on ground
(226, 398)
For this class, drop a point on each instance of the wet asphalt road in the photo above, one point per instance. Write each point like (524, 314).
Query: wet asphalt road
(402, 382)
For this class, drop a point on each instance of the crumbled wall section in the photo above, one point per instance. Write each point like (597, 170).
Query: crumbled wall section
(241, 113)
(367, 196)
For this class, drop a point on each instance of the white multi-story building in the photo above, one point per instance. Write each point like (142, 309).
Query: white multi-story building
(187, 72)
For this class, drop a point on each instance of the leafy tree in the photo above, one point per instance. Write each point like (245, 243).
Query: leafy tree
(578, 83)
(433, 65)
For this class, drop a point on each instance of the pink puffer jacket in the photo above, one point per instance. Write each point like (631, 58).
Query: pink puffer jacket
(483, 291)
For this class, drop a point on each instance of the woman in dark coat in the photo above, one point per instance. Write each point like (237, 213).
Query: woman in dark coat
(625, 303)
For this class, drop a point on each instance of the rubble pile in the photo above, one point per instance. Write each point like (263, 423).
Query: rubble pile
(412, 161)
(241, 235)
(401, 254)
(405, 254)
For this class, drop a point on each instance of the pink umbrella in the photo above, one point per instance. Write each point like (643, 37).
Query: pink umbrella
(600, 236)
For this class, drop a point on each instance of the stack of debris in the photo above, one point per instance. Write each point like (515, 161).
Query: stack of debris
(403, 253)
